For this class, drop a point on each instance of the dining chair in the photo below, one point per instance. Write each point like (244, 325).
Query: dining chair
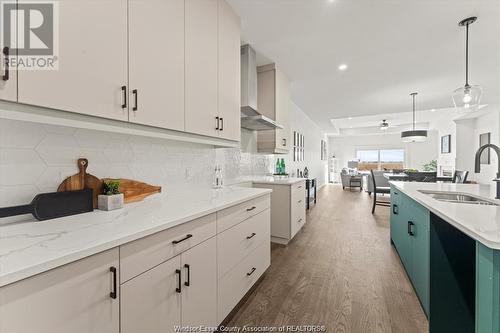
(379, 190)
(460, 177)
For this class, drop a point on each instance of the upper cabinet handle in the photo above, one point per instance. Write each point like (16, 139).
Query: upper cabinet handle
(252, 235)
(182, 240)
(217, 123)
(251, 272)
(221, 124)
(6, 52)
(136, 105)
(250, 209)
(284, 142)
(124, 91)
(113, 293)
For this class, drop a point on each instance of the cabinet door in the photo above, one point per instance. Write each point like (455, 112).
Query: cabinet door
(72, 298)
(92, 62)
(283, 110)
(150, 302)
(201, 67)
(8, 75)
(229, 72)
(199, 288)
(156, 62)
(403, 239)
(420, 273)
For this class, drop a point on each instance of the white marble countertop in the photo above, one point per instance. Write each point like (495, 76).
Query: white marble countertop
(480, 222)
(277, 180)
(29, 248)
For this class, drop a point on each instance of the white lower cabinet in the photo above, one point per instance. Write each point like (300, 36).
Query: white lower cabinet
(150, 302)
(288, 210)
(199, 286)
(190, 275)
(73, 298)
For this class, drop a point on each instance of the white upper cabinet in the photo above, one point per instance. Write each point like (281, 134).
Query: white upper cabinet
(8, 75)
(229, 72)
(92, 62)
(274, 102)
(201, 67)
(156, 63)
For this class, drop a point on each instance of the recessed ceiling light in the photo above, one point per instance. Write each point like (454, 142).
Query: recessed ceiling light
(349, 118)
(342, 67)
(433, 110)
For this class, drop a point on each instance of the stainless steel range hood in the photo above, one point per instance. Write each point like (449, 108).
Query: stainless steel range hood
(250, 117)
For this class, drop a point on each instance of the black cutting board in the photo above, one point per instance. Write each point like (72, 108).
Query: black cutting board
(48, 206)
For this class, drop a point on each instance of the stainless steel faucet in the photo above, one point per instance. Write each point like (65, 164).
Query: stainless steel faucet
(478, 163)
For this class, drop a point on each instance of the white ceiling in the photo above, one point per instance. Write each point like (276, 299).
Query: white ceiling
(392, 48)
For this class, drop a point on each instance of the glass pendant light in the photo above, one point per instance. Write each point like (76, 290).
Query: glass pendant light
(414, 135)
(467, 97)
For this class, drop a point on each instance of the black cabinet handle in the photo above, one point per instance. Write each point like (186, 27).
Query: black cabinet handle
(250, 209)
(251, 272)
(410, 228)
(113, 293)
(252, 235)
(284, 142)
(6, 52)
(188, 269)
(136, 100)
(217, 123)
(124, 91)
(221, 123)
(300, 221)
(178, 272)
(395, 209)
(300, 201)
(182, 240)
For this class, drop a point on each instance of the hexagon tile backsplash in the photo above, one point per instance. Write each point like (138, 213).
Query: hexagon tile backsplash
(35, 158)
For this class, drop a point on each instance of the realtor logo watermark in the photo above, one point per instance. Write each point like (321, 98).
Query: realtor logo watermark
(31, 31)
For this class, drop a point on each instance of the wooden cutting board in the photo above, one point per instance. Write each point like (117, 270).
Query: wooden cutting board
(82, 180)
(134, 190)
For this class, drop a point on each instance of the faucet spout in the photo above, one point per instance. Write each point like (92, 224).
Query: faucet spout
(478, 163)
(478, 157)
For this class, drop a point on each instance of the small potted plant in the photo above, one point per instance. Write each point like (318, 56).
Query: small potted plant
(111, 198)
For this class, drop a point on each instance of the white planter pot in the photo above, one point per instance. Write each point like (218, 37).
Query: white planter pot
(110, 202)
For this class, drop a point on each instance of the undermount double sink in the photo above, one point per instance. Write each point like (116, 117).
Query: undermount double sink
(456, 197)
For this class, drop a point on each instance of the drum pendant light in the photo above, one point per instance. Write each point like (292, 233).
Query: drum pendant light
(467, 97)
(414, 135)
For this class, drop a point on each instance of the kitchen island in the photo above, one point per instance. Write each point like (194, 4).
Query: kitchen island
(451, 252)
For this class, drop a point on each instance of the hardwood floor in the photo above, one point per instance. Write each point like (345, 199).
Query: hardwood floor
(339, 271)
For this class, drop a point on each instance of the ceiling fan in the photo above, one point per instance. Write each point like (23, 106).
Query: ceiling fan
(384, 125)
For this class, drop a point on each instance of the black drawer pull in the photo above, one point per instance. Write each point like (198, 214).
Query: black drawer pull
(410, 228)
(182, 240)
(124, 91)
(395, 209)
(250, 209)
(188, 280)
(113, 293)
(252, 235)
(178, 272)
(217, 123)
(221, 123)
(251, 272)
(6, 52)
(136, 105)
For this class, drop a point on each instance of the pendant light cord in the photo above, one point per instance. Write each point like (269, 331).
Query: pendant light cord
(413, 97)
(467, 55)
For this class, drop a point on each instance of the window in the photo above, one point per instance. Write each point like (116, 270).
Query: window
(378, 159)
